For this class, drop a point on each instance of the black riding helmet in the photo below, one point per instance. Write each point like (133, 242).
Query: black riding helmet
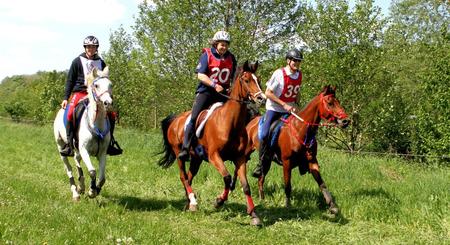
(294, 54)
(90, 40)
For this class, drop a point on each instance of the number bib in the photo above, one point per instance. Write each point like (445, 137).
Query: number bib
(291, 87)
(219, 69)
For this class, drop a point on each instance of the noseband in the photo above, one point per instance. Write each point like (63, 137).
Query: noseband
(94, 90)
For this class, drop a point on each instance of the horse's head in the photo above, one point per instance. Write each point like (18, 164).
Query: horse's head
(100, 87)
(330, 108)
(248, 84)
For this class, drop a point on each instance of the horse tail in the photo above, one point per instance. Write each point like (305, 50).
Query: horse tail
(169, 155)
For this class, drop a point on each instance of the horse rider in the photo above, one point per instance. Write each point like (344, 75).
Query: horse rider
(215, 70)
(282, 90)
(76, 89)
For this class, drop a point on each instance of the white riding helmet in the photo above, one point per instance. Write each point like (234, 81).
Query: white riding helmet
(221, 36)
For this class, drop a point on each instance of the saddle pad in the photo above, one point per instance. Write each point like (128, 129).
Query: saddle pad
(200, 126)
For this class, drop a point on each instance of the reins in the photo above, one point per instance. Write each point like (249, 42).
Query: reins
(245, 101)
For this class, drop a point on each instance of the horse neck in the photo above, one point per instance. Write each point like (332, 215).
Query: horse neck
(311, 113)
(96, 114)
(234, 108)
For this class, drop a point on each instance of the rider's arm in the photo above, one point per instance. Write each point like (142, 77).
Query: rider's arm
(270, 95)
(208, 82)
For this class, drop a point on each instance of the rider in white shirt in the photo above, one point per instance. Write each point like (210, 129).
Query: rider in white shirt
(281, 92)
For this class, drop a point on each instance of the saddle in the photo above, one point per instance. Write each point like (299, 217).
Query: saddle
(76, 117)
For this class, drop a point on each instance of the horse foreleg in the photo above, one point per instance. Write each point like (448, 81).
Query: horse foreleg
(191, 200)
(241, 168)
(73, 187)
(314, 170)
(233, 182)
(218, 163)
(92, 172)
(193, 169)
(287, 182)
(101, 168)
(81, 187)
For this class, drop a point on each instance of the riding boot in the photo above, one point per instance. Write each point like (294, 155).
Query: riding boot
(263, 158)
(68, 147)
(113, 148)
(188, 134)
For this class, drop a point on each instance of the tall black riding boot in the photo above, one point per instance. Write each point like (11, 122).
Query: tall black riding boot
(68, 147)
(114, 147)
(188, 134)
(263, 158)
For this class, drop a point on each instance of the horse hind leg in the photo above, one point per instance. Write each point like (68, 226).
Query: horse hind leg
(191, 204)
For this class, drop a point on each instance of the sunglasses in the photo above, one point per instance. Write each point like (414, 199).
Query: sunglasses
(296, 60)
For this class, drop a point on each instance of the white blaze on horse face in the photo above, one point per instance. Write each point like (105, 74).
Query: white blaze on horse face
(260, 93)
(103, 89)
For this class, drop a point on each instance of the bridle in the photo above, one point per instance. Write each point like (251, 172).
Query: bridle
(95, 130)
(249, 95)
(323, 107)
(94, 90)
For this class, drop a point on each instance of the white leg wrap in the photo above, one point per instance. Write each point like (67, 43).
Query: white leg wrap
(192, 199)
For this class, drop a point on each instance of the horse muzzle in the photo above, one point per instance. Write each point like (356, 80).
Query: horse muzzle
(260, 99)
(343, 123)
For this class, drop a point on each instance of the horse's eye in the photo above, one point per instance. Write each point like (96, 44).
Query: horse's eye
(96, 85)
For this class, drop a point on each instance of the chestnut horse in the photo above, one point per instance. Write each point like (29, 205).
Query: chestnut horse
(296, 145)
(223, 138)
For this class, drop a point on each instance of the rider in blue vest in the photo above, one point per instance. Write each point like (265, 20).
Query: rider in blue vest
(282, 90)
(215, 71)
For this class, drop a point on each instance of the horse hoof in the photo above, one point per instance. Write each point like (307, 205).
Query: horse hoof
(219, 202)
(334, 210)
(192, 208)
(76, 198)
(80, 190)
(255, 221)
(92, 194)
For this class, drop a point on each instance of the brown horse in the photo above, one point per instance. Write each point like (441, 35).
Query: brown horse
(223, 138)
(296, 144)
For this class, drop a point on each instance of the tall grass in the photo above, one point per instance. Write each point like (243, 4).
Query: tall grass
(382, 200)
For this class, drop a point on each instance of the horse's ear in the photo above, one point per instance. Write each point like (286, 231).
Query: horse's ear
(105, 72)
(254, 67)
(246, 67)
(95, 72)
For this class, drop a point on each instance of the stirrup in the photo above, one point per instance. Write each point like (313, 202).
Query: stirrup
(114, 149)
(183, 155)
(258, 171)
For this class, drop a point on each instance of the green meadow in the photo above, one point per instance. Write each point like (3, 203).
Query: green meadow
(383, 200)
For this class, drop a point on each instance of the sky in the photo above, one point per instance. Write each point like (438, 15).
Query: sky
(46, 35)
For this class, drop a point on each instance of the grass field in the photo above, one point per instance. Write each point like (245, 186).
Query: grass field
(382, 200)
